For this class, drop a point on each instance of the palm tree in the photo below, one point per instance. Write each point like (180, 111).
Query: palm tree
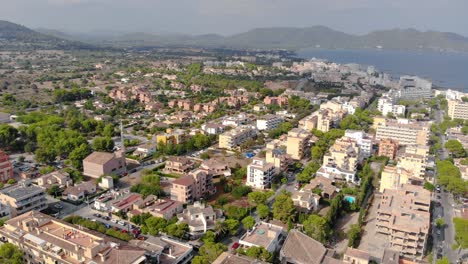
(221, 228)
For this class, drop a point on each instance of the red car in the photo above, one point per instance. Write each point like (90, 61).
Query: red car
(235, 245)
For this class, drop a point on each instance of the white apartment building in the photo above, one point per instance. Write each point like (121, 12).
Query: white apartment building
(386, 104)
(235, 121)
(233, 138)
(268, 122)
(260, 174)
(364, 142)
(414, 88)
(405, 131)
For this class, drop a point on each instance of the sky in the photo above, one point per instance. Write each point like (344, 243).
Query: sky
(228, 17)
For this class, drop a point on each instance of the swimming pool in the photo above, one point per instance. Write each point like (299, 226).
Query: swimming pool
(350, 199)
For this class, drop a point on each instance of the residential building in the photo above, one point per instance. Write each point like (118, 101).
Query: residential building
(126, 202)
(414, 88)
(414, 163)
(23, 197)
(326, 119)
(175, 137)
(6, 168)
(363, 140)
(343, 154)
(178, 165)
(97, 164)
(234, 138)
(325, 184)
(264, 235)
(463, 168)
(299, 248)
(59, 178)
(164, 250)
(356, 256)
(404, 216)
(231, 258)
(387, 105)
(107, 182)
(395, 176)
(406, 132)
(457, 109)
(44, 239)
(5, 211)
(388, 147)
(164, 208)
(213, 129)
(276, 154)
(305, 200)
(193, 186)
(200, 218)
(298, 143)
(280, 100)
(79, 191)
(235, 121)
(216, 168)
(145, 150)
(260, 174)
(268, 122)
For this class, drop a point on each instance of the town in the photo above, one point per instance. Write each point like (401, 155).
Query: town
(196, 156)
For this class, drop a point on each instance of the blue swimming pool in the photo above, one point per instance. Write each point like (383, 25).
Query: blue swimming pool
(350, 199)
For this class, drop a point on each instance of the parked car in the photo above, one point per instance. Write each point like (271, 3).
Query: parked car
(122, 223)
(235, 245)
(114, 221)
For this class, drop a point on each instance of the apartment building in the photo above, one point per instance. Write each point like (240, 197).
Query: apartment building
(298, 143)
(405, 131)
(266, 235)
(164, 250)
(193, 186)
(457, 109)
(268, 122)
(216, 168)
(97, 164)
(276, 154)
(344, 154)
(44, 239)
(164, 208)
(388, 147)
(260, 173)
(173, 136)
(404, 216)
(178, 165)
(394, 176)
(234, 138)
(200, 218)
(387, 104)
(6, 168)
(363, 140)
(235, 121)
(414, 88)
(281, 100)
(414, 163)
(328, 119)
(23, 197)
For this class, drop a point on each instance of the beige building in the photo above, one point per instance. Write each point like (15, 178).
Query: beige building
(59, 178)
(23, 197)
(264, 235)
(393, 177)
(356, 256)
(79, 191)
(298, 143)
(216, 168)
(276, 154)
(305, 200)
(164, 208)
(47, 240)
(406, 132)
(234, 138)
(457, 109)
(343, 154)
(101, 163)
(404, 216)
(193, 186)
(414, 163)
(178, 165)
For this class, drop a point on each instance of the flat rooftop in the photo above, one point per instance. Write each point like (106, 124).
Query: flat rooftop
(263, 235)
(20, 191)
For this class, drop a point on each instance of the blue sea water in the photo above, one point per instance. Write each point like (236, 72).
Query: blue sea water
(448, 70)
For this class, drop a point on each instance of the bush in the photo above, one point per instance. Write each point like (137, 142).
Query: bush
(241, 191)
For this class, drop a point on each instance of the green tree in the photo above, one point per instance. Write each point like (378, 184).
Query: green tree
(257, 197)
(54, 190)
(155, 225)
(283, 208)
(440, 222)
(10, 254)
(208, 253)
(263, 211)
(354, 235)
(443, 260)
(105, 144)
(455, 148)
(177, 230)
(77, 156)
(317, 227)
(248, 222)
(461, 232)
(209, 237)
(232, 226)
(259, 253)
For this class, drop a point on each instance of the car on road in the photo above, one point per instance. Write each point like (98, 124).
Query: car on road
(235, 245)
(122, 223)
(58, 206)
(114, 221)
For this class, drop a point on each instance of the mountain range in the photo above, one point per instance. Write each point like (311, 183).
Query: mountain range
(260, 38)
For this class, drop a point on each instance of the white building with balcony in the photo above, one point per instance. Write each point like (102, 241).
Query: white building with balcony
(260, 174)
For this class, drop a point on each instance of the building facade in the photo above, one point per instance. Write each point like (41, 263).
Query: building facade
(298, 143)
(457, 109)
(268, 122)
(101, 163)
(6, 168)
(404, 131)
(234, 138)
(260, 174)
(23, 197)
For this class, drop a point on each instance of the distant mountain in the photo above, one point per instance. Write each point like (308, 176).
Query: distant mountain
(17, 37)
(260, 38)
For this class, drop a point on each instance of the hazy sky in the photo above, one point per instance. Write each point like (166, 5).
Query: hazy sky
(233, 16)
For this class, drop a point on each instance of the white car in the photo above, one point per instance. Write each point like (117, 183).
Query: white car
(114, 221)
(122, 223)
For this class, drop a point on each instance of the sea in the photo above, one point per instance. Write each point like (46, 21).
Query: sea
(445, 69)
